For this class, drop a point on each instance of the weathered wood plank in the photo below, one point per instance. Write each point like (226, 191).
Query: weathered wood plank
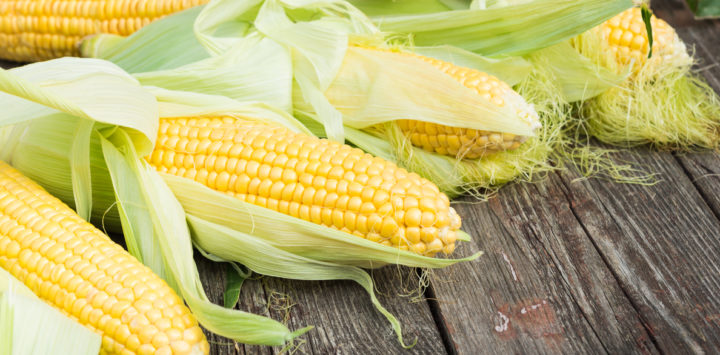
(252, 299)
(704, 167)
(345, 321)
(540, 288)
(661, 244)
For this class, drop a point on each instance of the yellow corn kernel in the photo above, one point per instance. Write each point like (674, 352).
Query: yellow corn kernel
(41, 30)
(328, 183)
(85, 275)
(626, 38)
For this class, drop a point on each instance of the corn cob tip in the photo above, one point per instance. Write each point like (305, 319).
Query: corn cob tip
(466, 143)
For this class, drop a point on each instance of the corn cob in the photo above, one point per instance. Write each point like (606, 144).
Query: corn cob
(314, 179)
(464, 142)
(34, 30)
(73, 266)
(626, 38)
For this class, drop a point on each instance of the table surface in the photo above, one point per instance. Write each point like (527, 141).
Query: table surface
(571, 265)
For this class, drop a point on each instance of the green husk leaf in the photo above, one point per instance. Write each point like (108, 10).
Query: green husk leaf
(577, 77)
(511, 70)
(264, 258)
(163, 44)
(386, 7)
(373, 86)
(29, 326)
(518, 28)
(646, 16)
(258, 69)
(81, 175)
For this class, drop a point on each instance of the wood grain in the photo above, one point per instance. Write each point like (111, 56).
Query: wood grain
(541, 287)
(661, 244)
(345, 321)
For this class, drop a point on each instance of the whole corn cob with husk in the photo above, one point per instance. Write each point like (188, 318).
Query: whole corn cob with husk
(465, 142)
(73, 266)
(317, 180)
(34, 30)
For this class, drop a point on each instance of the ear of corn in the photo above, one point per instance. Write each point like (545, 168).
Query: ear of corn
(73, 266)
(470, 143)
(40, 30)
(662, 102)
(308, 178)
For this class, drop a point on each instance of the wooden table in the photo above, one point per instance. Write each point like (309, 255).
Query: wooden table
(571, 266)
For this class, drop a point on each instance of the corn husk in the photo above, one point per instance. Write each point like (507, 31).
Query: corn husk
(29, 326)
(664, 102)
(152, 209)
(337, 87)
(495, 27)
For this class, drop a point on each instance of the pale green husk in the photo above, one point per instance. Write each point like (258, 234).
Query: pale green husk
(152, 208)
(511, 27)
(29, 326)
(340, 91)
(663, 103)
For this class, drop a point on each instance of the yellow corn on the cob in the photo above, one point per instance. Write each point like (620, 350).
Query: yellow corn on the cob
(73, 266)
(463, 142)
(314, 179)
(34, 30)
(626, 38)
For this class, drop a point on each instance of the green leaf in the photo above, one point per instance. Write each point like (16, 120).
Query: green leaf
(646, 16)
(705, 9)
(234, 279)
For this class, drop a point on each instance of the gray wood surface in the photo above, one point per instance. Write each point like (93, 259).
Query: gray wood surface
(570, 265)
